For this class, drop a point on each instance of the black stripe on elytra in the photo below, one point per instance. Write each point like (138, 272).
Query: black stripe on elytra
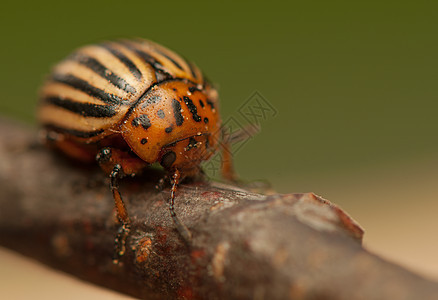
(161, 74)
(83, 109)
(87, 88)
(192, 108)
(171, 59)
(78, 133)
(177, 112)
(124, 59)
(94, 65)
(192, 70)
(142, 120)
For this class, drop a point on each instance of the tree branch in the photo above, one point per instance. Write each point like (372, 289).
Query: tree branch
(245, 245)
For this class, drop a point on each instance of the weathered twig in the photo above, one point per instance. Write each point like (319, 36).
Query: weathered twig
(245, 245)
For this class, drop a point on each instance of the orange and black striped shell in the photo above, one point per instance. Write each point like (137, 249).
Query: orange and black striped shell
(140, 91)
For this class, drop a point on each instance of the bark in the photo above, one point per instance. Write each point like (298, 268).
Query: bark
(245, 245)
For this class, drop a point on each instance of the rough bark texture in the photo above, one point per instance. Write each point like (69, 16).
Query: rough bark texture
(245, 245)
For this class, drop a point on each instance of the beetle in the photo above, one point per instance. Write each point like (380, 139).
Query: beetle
(129, 104)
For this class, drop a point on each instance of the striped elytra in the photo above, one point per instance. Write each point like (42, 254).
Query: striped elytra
(134, 91)
(129, 104)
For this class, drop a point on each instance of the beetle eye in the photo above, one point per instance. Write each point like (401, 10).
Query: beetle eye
(168, 159)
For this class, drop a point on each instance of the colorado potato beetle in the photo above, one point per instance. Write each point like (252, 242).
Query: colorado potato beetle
(129, 104)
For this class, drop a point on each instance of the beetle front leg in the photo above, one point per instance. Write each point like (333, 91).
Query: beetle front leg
(229, 138)
(228, 172)
(181, 228)
(227, 166)
(119, 164)
(122, 215)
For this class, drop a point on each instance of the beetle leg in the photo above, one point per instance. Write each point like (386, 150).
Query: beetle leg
(122, 215)
(108, 158)
(182, 229)
(228, 172)
(119, 164)
(229, 138)
(227, 167)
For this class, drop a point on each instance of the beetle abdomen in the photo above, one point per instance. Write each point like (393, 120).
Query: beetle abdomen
(89, 93)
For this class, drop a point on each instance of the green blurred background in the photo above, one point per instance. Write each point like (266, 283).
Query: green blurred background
(354, 84)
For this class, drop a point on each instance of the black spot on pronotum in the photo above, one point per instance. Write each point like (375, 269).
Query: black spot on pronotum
(168, 129)
(192, 108)
(206, 120)
(179, 119)
(151, 100)
(192, 144)
(154, 99)
(143, 141)
(142, 120)
(160, 114)
(168, 159)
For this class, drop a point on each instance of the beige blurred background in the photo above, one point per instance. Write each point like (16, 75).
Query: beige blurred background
(351, 89)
